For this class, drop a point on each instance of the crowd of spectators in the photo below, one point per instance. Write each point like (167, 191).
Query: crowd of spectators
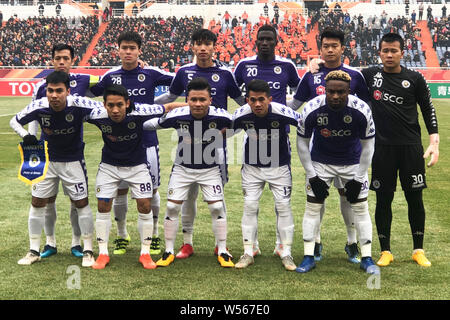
(165, 41)
(29, 42)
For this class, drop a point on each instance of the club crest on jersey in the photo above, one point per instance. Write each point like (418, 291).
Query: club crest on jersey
(69, 117)
(141, 77)
(215, 77)
(348, 118)
(320, 90)
(212, 125)
(277, 70)
(73, 83)
(131, 125)
(405, 84)
(275, 124)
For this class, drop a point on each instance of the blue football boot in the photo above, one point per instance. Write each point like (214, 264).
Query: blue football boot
(369, 266)
(307, 264)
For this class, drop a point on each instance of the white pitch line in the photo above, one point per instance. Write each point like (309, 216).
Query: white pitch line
(7, 115)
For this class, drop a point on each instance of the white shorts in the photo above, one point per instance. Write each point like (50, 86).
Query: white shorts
(254, 179)
(181, 179)
(340, 174)
(73, 178)
(153, 164)
(110, 177)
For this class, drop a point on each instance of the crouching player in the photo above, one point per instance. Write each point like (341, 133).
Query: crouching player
(123, 160)
(343, 146)
(200, 143)
(265, 123)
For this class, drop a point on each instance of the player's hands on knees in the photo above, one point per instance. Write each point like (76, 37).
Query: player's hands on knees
(319, 187)
(352, 190)
(30, 140)
(314, 65)
(432, 150)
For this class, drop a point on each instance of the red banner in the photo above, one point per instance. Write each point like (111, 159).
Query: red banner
(17, 88)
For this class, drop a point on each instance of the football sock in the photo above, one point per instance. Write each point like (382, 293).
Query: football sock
(310, 225)
(120, 207)
(86, 224)
(156, 202)
(322, 212)
(347, 214)
(36, 219)
(285, 225)
(49, 224)
(103, 227)
(76, 231)
(171, 222)
(188, 213)
(383, 218)
(416, 216)
(249, 225)
(363, 226)
(219, 220)
(145, 228)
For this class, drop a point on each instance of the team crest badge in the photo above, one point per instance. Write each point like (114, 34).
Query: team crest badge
(212, 125)
(405, 84)
(69, 117)
(376, 184)
(73, 83)
(170, 191)
(34, 162)
(141, 77)
(98, 190)
(277, 70)
(275, 124)
(348, 118)
(215, 77)
(131, 125)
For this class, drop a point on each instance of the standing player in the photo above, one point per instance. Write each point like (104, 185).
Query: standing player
(61, 118)
(223, 85)
(267, 157)
(62, 60)
(140, 83)
(312, 85)
(280, 73)
(343, 144)
(200, 140)
(395, 92)
(123, 160)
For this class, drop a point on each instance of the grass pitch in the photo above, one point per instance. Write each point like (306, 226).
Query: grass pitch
(200, 277)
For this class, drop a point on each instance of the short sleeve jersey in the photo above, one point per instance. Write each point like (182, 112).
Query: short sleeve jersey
(220, 78)
(268, 132)
(61, 129)
(394, 98)
(337, 133)
(279, 73)
(313, 84)
(198, 140)
(79, 85)
(141, 84)
(123, 140)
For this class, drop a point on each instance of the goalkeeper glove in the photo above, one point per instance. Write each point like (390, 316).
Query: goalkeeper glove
(319, 187)
(30, 140)
(352, 190)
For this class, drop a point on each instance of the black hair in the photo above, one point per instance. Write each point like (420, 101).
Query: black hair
(203, 35)
(63, 46)
(268, 27)
(392, 37)
(332, 34)
(118, 90)
(258, 85)
(58, 77)
(131, 36)
(198, 83)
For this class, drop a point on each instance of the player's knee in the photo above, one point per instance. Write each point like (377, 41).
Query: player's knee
(52, 199)
(216, 209)
(173, 209)
(251, 207)
(81, 203)
(360, 208)
(311, 220)
(104, 205)
(283, 208)
(313, 209)
(144, 205)
(38, 202)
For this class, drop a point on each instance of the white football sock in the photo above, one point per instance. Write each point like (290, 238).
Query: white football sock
(285, 225)
(120, 207)
(76, 231)
(347, 214)
(171, 223)
(311, 223)
(86, 224)
(249, 225)
(145, 228)
(188, 214)
(363, 225)
(49, 224)
(103, 227)
(156, 203)
(219, 220)
(36, 219)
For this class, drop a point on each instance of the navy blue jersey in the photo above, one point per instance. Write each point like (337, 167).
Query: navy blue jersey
(268, 132)
(198, 140)
(313, 84)
(278, 73)
(220, 78)
(79, 85)
(123, 141)
(63, 129)
(141, 84)
(337, 134)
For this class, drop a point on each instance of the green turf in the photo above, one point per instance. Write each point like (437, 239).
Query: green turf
(201, 277)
